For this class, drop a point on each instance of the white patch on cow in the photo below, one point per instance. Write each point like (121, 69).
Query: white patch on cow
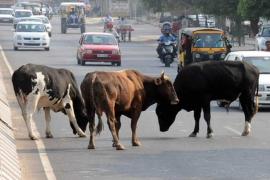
(167, 77)
(43, 93)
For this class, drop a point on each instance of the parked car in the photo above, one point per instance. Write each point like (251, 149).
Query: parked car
(98, 47)
(31, 35)
(6, 15)
(21, 13)
(262, 61)
(262, 38)
(46, 21)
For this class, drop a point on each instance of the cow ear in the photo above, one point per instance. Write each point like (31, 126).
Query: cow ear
(158, 81)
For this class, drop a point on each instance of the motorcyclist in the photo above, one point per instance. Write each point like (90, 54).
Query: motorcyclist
(166, 36)
(110, 29)
(107, 19)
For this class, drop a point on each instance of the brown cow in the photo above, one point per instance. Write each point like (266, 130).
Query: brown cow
(126, 92)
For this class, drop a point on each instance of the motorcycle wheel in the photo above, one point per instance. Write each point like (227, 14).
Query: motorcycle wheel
(167, 61)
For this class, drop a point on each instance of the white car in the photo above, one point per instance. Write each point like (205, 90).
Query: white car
(260, 59)
(21, 13)
(32, 35)
(6, 15)
(262, 37)
(47, 23)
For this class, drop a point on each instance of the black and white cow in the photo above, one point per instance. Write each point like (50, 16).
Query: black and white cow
(200, 83)
(38, 86)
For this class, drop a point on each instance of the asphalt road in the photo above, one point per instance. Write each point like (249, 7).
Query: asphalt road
(170, 155)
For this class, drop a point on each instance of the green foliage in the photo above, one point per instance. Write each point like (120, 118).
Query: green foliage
(156, 5)
(253, 9)
(227, 8)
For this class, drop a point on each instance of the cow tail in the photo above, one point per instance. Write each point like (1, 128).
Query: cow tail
(96, 95)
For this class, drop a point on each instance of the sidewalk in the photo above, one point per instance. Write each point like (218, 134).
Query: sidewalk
(9, 163)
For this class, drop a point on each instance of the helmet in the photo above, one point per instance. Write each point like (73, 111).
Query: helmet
(167, 28)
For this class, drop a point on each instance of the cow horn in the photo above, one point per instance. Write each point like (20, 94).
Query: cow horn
(162, 75)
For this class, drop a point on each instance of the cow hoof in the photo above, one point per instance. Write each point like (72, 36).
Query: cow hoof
(120, 147)
(49, 135)
(82, 135)
(33, 137)
(209, 135)
(136, 143)
(193, 135)
(91, 146)
(245, 133)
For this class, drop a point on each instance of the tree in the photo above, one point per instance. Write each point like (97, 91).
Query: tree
(156, 5)
(252, 10)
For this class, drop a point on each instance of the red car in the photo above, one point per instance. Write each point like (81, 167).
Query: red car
(98, 47)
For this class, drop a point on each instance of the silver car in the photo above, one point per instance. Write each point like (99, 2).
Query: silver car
(261, 60)
(6, 15)
(262, 38)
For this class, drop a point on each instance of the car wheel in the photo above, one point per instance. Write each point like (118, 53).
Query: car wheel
(15, 48)
(78, 59)
(82, 62)
(83, 28)
(221, 103)
(50, 34)
(118, 64)
(47, 48)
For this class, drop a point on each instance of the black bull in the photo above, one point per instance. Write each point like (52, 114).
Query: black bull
(200, 83)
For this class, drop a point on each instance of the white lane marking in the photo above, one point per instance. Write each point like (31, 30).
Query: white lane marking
(232, 130)
(39, 143)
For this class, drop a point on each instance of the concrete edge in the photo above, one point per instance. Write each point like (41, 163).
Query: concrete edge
(9, 161)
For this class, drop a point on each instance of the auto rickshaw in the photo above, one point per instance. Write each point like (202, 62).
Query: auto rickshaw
(201, 44)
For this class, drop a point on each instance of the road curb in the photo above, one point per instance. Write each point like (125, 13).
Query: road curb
(9, 163)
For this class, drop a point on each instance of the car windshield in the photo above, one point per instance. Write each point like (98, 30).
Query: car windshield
(5, 11)
(208, 40)
(266, 32)
(99, 39)
(45, 20)
(30, 28)
(22, 14)
(262, 63)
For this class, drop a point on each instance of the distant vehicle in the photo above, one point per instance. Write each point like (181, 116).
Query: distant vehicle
(33, 6)
(72, 16)
(262, 61)
(7, 3)
(202, 44)
(47, 11)
(21, 13)
(31, 35)
(98, 47)
(46, 21)
(262, 38)
(6, 15)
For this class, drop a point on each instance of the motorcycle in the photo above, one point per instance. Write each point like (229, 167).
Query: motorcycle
(167, 53)
(110, 29)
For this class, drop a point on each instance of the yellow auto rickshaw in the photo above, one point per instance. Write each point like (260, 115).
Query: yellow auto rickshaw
(201, 44)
